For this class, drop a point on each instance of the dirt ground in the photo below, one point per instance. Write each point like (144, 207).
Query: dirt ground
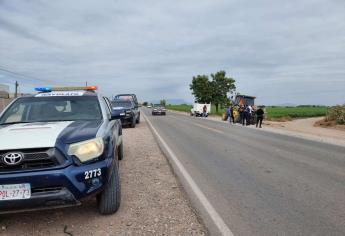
(307, 126)
(329, 124)
(152, 201)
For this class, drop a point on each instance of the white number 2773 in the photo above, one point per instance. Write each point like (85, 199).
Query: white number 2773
(92, 173)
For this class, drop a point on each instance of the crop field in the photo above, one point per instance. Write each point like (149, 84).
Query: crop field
(182, 107)
(272, 112)
(295, 112)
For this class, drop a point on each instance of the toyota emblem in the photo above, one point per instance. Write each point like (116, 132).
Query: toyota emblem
(13, 158)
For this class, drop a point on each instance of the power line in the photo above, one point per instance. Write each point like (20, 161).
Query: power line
(22, 75)
(26, 76)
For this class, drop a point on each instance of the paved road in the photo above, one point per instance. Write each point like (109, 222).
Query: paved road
(261, 183)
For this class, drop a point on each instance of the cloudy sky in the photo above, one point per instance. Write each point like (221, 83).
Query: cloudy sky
(280, 51)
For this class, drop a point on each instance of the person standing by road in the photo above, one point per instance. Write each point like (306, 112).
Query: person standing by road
(204, 111)
(259, 117)
(249, 110)
(231, 114)
(241, 111)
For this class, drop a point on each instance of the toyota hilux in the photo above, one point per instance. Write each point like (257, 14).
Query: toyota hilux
(57, 148)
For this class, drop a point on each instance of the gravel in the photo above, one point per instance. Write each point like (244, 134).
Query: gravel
(152, 201)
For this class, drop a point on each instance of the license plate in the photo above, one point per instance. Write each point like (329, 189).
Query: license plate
(15, 191)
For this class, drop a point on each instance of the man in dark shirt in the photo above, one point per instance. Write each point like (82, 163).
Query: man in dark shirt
(259, 117)
(232, 117)
(241, 111)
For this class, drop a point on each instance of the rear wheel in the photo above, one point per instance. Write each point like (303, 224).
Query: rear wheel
(109, 200)
(120, 151)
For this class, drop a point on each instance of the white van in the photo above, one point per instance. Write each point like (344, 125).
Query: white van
(197, 109)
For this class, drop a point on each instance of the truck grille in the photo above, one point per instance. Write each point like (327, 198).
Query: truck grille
(33, 159)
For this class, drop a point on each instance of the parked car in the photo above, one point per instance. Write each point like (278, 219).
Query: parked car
(132, 113)
(57, 148)
(158, 109)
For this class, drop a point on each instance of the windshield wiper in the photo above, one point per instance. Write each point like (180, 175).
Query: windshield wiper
(53, 120)
(16, 122)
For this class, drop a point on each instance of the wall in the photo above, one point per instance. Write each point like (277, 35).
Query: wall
(4, 102)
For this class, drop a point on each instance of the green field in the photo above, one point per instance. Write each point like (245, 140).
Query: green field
(182, 107)
(272, 112)
(295, 112)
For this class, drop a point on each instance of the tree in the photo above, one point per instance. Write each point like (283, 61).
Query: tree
(221, 86)
(163, 102)
(145, 104)
(201, 88)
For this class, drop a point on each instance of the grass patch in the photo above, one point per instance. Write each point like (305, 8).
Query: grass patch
(277, 113)
(181, 107)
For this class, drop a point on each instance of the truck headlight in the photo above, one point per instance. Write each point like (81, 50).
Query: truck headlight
(87, 150)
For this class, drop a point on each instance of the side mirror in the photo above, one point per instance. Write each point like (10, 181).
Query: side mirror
(117, 114)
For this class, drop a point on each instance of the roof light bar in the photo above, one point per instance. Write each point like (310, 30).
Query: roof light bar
(43, 89)
(50, 89)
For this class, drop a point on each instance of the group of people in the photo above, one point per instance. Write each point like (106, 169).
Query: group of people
(246, 113)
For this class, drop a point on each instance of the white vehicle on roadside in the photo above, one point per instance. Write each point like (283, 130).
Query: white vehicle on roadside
(198, 109)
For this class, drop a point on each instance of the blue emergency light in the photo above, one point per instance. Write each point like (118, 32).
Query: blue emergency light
(43, 89)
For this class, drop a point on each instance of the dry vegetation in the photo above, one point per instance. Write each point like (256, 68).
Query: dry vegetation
(335, 118)
(337, 114)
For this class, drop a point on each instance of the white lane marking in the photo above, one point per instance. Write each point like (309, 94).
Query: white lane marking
(218, 221)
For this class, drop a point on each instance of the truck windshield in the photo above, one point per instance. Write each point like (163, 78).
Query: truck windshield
(125, 104)
(44, 109)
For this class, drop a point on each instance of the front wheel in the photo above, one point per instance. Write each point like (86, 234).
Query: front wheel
(138, 120)
(109, 200)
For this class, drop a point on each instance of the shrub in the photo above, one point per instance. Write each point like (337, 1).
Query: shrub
(337, 113)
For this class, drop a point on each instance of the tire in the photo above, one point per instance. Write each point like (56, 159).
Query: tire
(138, 120)
(120, 151)
(109, 199)
(133, 123)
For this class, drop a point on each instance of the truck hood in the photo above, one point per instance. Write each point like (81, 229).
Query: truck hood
(45, 134)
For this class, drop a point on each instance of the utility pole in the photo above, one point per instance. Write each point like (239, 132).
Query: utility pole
(16, 89)
(86, 83)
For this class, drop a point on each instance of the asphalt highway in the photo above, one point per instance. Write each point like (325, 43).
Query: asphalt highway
(260, 183)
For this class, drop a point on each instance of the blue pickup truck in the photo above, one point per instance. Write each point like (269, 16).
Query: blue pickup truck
(59, 147)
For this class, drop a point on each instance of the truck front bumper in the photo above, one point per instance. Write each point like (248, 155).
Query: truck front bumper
(56, 188)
